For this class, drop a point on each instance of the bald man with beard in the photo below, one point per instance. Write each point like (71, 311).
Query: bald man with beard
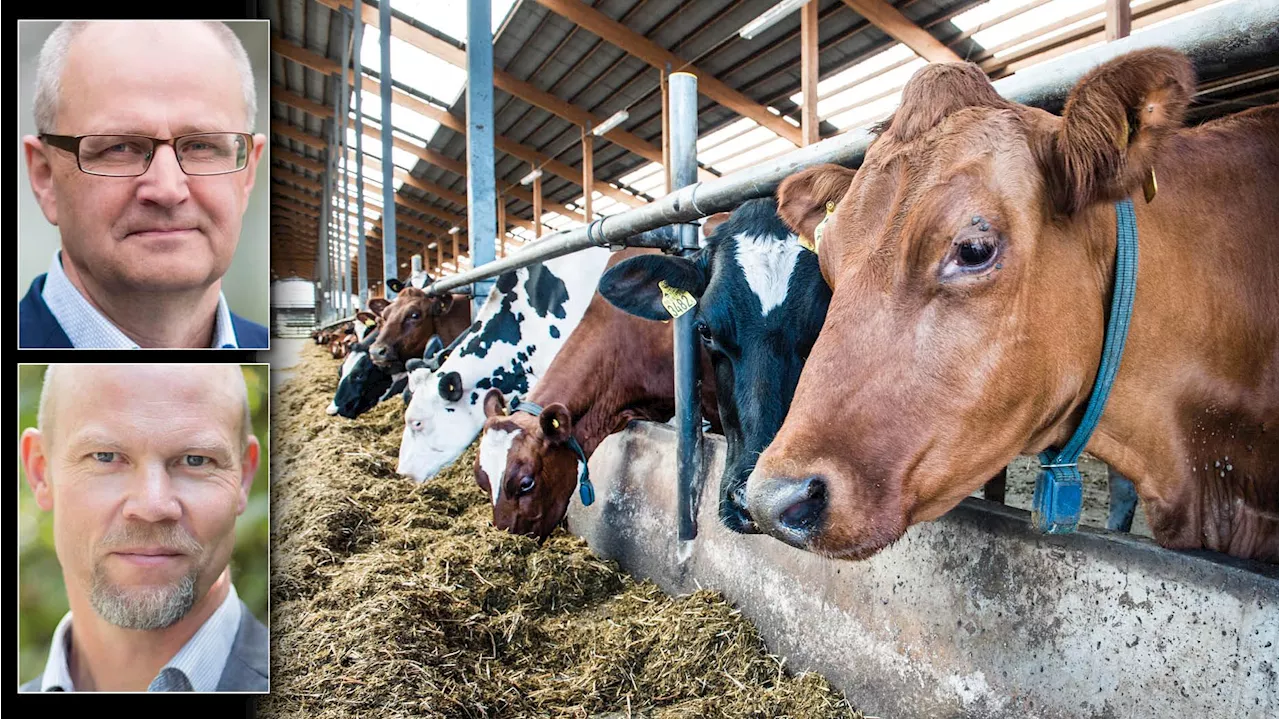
(146, 468)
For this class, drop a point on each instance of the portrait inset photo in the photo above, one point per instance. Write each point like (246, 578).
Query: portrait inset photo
(145, 218)
(143, 528)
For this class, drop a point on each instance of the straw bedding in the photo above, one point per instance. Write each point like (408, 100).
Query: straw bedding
(392, 599)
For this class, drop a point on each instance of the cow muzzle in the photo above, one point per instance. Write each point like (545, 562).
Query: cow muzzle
(788, 509)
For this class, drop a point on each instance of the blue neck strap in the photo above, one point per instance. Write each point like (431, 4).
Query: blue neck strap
(586, 492)
(1055, 508)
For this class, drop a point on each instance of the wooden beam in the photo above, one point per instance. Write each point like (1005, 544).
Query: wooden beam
(897, 26)
(809, 120)
(632, 42)
(282, 95)
(297, 133)
(404, 99)
(1119, 19)
(306, 163)
(588, 171)
(503, 81)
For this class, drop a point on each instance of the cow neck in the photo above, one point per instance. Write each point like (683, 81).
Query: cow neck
(1059, 486)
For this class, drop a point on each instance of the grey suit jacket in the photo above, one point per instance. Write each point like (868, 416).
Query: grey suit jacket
(247, 667)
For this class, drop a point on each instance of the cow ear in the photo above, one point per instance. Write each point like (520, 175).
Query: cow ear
(711, 223)
(441, 305)
(1113, 124)
(395, 284)
(556, 423)
(366, 318)
(482, 478)
(378, 304)
(803, 197)
(495, 405)
(632, 285)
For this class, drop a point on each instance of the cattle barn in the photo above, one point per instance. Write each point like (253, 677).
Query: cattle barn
(809, 358)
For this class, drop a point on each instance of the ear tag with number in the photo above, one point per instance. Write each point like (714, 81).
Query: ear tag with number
(676, 301)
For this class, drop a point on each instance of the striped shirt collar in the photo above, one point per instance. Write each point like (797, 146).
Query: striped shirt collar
(201, 660)
(86, 327)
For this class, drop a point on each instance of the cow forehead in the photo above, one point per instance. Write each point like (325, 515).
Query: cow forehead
(766, 263)
(494, 448)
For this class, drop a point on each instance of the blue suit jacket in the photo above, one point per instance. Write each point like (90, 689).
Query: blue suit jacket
(38, 328)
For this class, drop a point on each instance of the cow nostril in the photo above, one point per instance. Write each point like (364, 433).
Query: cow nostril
(414, 424)
(806, 505)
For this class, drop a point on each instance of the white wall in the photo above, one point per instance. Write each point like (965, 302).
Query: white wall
(246, 282)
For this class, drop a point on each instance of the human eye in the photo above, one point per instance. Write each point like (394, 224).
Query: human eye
(106, 457)
(196, 460)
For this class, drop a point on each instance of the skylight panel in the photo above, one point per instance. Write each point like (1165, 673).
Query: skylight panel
(449, 17)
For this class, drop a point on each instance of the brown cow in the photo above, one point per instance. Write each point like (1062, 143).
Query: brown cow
(613, 368)
(409, 321)
(971, 262)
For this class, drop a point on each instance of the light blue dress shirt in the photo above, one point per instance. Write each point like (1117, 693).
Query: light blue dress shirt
(197, 666)
(86, 327)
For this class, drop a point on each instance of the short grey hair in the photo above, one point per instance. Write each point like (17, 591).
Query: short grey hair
(53, 56)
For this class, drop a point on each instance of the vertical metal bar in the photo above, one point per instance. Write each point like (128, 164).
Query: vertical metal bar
(326, 259)
(481, 187)
(343, 99)
(358, 40)
(809, 74)
(664, 80)
(684, 171)
(388, 167)
(588, 170)
(537, 206)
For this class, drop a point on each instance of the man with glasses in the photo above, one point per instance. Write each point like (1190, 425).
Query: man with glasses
(145, 161)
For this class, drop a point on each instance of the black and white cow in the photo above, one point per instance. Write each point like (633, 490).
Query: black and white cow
(761, 302)
(522, 325)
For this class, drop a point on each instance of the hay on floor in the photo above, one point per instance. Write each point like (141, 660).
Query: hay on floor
(392, 599)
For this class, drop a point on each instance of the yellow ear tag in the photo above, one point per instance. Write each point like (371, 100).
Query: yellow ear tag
(1149, 187)
(555, 423)
(818, 231)
(369, 323)
(675, 300)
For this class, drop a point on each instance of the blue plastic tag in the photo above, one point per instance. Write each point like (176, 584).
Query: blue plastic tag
(1055, 506)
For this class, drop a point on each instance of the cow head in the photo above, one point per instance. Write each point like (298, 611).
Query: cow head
(407, 323)
(760, 304)
(526, 465)
(361, 384)
(970, 262)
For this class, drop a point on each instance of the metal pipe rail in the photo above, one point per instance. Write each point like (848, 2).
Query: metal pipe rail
(1240, 35)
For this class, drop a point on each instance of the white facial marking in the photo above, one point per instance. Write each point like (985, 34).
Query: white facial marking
(767, 265)
(349, 364)
(494, 448)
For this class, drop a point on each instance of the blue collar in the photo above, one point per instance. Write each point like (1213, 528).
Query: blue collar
(1055, 507)
(586, 492)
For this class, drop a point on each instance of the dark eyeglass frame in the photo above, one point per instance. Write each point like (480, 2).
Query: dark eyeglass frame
(71, 144)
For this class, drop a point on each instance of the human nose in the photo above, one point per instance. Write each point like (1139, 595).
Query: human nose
(164, 183)
(151, 496)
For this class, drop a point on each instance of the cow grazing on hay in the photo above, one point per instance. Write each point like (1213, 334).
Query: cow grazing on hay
(614, 368)
(523, 324)
(971, 263)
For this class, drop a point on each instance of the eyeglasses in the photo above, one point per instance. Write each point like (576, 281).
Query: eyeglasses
(205, 153)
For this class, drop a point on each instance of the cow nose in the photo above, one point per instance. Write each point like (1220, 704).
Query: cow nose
(790, 509)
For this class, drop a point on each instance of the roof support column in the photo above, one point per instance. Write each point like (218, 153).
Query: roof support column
(357, 40)
(481, 187)
(1119, 19)
(588, 171)
(388, 166)
(537, 206)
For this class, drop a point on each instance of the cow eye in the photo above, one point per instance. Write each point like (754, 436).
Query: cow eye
(974, 254)
(704, 332)
(415, 315)
(526, 484)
